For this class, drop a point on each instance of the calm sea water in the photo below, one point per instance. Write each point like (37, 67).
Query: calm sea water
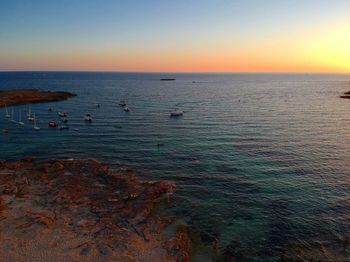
(260, 161)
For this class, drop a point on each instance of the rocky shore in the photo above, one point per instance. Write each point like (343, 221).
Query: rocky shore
(80, 210)
(26, 96)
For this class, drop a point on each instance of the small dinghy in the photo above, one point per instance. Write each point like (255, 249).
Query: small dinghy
(53, 124)
(62, 114)
(126, 109)
(176, 112)
(88, 118)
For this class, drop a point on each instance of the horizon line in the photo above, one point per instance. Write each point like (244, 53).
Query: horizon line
(172, 72)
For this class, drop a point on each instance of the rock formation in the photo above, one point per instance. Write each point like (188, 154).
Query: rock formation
(26, 96)
(80, 210)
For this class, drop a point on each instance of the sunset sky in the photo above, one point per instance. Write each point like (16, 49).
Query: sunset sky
(176, 36)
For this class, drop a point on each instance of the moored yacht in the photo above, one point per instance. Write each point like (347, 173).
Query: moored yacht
(176, 112)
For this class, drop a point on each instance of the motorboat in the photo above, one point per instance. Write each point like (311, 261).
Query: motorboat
(88, 118)
(126, 109)
(176, 112)
(62, 114)
(53, 124)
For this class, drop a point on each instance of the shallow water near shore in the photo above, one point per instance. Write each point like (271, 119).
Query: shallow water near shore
(260, 160)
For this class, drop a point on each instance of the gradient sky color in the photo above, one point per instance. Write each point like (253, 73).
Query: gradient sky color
(176, 36)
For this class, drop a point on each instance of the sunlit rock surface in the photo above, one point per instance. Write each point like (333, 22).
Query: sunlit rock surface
(79, 210)
(26, 96)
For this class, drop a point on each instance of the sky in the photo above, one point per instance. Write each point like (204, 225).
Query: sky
(175, 36)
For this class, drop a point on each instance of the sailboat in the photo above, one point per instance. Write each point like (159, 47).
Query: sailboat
(20, 119)
(7, 112)
(30, 115)
(36, 128)
(12, 114)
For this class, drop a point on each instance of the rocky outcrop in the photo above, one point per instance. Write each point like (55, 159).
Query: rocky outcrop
(180, 245)
(80, 210)
(26, 96)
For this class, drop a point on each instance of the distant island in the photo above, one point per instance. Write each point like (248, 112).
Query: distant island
(346, 95)
(26, 96)
(167, 79)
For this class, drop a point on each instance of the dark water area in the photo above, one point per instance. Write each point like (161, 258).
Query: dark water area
(260, 161)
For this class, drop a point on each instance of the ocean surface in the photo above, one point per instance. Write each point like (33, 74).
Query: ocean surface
(260, 161)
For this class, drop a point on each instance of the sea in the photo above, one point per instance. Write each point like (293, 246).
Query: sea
(261, 162)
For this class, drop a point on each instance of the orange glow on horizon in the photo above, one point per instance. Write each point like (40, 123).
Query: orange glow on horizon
(325, 50)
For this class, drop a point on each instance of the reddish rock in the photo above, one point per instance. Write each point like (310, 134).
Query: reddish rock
(25, 96)
(180, 246)
(80, 208)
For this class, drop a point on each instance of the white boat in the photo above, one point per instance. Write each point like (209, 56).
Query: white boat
(176, 112)
(31, 117)
(62, 114)
(88, 118)
(126, 109)
(36, 128)
(20, 119)
(7, 112)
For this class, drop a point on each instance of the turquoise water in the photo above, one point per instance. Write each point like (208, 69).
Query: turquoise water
(260, 160)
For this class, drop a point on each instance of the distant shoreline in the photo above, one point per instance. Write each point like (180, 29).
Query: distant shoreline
(30, 96)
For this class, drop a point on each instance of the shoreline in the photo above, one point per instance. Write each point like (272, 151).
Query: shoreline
(31, 96)
(81, 210)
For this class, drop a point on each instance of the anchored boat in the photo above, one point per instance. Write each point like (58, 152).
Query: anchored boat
(176, 112)
(88, 118)
(53, 124)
